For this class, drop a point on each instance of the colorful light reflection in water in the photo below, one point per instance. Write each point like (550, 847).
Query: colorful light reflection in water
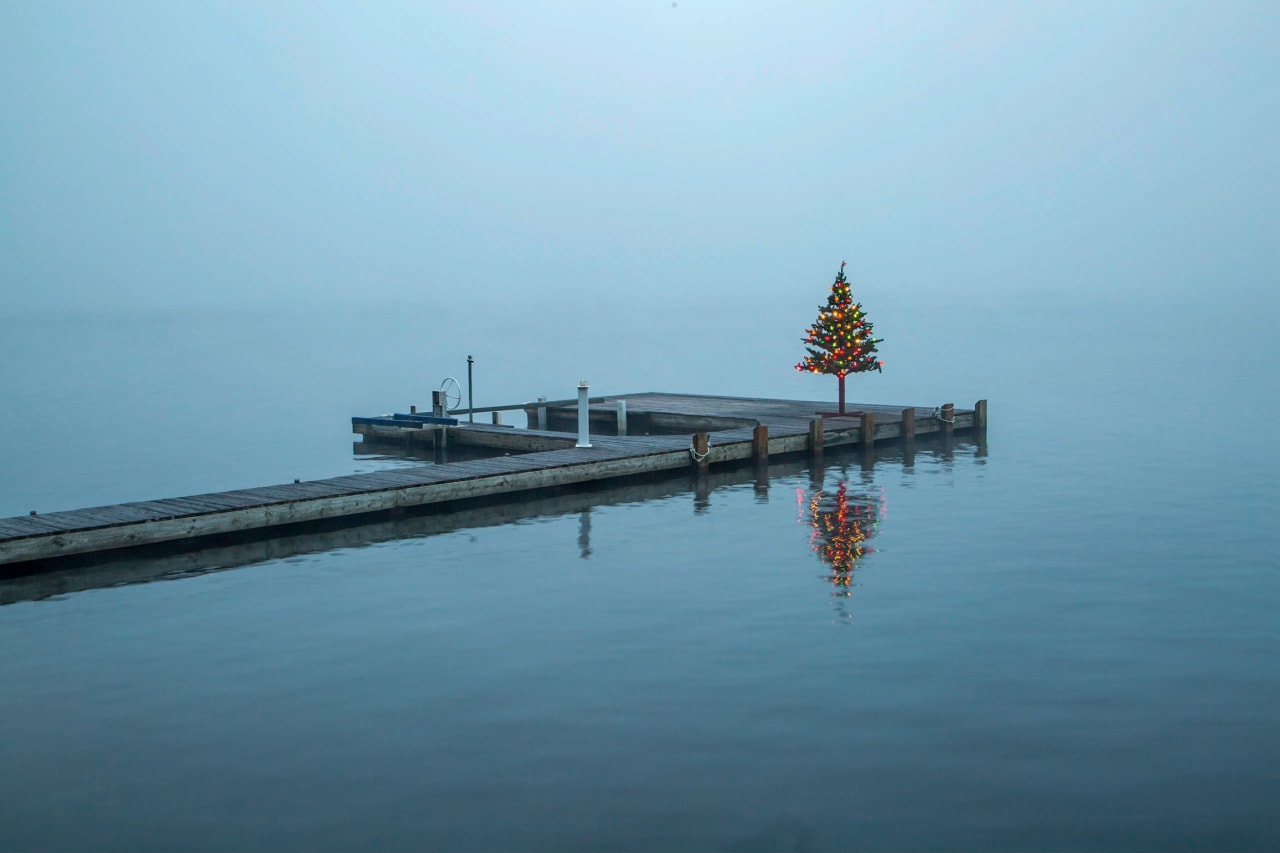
(841, 522)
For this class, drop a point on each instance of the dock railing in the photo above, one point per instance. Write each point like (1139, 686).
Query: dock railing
(511, 407)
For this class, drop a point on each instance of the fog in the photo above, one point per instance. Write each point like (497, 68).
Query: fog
(522, 156)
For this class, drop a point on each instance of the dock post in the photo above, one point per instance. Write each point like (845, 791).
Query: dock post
(760, 455)
(413, 410)
(980, 416)
(760, 444)
(701, 448)
(542, 413)
(907, 429)
(437, 403)
(948, 418)
(867, 434)
(497, 419)
(622, 417)
(815, 436)
(584, 416)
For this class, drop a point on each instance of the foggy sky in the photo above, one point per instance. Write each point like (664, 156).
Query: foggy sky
(185, 154)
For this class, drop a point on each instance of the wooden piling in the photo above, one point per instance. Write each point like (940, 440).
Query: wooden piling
(908, 426)
(980, 415)
(760, 444)
(948, 418)
(701, 449)
(497, 419)
(622, 417)
(868, 430)
(815, 436)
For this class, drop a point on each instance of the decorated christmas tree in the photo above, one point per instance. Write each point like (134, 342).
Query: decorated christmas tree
(840, 342)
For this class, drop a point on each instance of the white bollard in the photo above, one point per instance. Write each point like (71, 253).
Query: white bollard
(584, 416)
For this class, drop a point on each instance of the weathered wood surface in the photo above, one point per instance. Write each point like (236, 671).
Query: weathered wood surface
(545, 459)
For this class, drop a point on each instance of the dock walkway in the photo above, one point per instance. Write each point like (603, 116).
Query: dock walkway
(790, 428)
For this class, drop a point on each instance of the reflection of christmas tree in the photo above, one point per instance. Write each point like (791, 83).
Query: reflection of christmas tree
(842, 524)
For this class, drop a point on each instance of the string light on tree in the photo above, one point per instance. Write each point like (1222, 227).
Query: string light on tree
(840, 342)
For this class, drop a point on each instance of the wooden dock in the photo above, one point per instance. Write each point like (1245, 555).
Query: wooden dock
(683, 432)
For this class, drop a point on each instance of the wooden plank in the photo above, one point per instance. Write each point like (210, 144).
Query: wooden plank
(101, 518)
(166, 508)
(123, 512)
(376, 482)
(279, 494)
(461, 470)
(312, 489)
(55, 522)
(26, 526)
(219, 501)
(71, 520)
(193, 505)
(14, 527)
(199, 503)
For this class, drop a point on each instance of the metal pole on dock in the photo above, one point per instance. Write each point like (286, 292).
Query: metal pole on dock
(471, 401)
(584, 416)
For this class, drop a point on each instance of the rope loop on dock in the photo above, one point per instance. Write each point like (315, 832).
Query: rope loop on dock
(937, 414)
(698, 457)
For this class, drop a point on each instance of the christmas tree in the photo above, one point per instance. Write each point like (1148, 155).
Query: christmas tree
(840, 342)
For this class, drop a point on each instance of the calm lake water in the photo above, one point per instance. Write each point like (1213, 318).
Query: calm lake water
(1063, 638)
